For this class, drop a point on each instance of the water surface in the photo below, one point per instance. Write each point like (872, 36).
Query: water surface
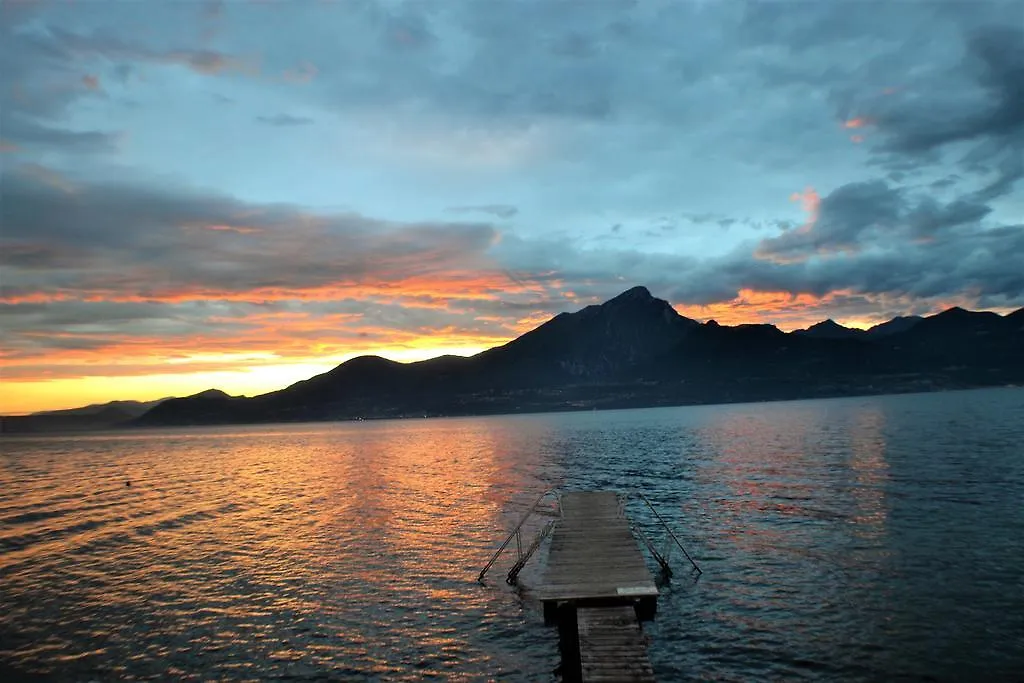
(855, 539)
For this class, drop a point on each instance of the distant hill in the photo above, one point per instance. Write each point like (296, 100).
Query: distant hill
(636, 350)
(829, 329)
(134, 408)
(87, 418)
(94, 417)
(894, 326)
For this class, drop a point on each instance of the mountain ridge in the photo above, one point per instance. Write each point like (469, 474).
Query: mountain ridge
(636, 350)
(630, 351)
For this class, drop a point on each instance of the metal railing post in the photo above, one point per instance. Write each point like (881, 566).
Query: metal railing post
(516, 534)
(668, 530)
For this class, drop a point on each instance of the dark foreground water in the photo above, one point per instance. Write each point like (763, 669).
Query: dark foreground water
(862, 539)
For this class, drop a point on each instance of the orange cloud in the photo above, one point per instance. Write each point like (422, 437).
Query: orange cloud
(788, 310)
(810, 201)
(425, 291)
(856, 123)
(91, 82)
(795, 310)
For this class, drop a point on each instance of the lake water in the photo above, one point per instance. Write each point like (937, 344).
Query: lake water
(858, 539)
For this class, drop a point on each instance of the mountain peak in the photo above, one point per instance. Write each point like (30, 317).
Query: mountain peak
(955, 310)
(210, 393)
(638, 293)
(600, 341)
(900, 323)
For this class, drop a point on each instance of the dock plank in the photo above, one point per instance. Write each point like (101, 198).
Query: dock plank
(611, 645)
(593, 555)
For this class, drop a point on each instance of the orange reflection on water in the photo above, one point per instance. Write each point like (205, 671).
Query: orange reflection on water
(757, 459)
(871, 471)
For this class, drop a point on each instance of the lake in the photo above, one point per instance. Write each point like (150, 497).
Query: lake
(858, 539)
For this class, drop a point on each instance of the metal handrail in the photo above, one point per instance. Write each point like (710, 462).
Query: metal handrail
(523, 557)
(662, 560)
(515, 533)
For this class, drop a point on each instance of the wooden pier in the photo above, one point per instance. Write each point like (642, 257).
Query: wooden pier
(597, 588)
(594, 559)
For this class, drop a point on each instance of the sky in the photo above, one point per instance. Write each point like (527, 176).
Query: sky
(244, 194)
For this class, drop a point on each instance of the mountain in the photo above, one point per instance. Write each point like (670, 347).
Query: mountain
(201, 408)
(898, 324)
(132, 408)
(598, 342)
(87, 418)
(636, 350)
(829, 329)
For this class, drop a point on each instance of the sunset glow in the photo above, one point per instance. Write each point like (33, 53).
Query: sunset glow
(189, 202)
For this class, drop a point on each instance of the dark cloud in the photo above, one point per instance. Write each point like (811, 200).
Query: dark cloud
(995, 64)
(285, 120)
(967, 260)
(30, 133)
(147, 242)
(852, 214)
(860, 216)
(870, 242)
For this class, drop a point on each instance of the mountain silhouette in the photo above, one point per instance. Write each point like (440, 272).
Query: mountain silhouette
(636, 350)
(829, 329)
(898, 324)
(87, 418)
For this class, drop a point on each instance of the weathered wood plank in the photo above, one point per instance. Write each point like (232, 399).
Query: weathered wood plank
(593, 554)
(611, 645)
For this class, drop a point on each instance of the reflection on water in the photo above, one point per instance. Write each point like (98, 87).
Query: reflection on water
(867, 460)
(839, 540)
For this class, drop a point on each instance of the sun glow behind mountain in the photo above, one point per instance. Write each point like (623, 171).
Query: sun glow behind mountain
(239, 376)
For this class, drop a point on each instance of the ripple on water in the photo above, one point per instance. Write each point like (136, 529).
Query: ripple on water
(840, 541)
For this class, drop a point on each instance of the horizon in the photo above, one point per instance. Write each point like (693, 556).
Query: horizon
(242, 196)
(467, 354)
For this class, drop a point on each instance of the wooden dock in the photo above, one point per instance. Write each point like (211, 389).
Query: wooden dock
(596, 588)
(594, 559)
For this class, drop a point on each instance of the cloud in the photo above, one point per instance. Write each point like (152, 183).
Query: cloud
(498, 210)
(285, 120)
(42, 75)
(153, 243)
(840, 222)
(995, 64)
(125, 271)
(81, 45)
(26, 132)
(112, 272)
